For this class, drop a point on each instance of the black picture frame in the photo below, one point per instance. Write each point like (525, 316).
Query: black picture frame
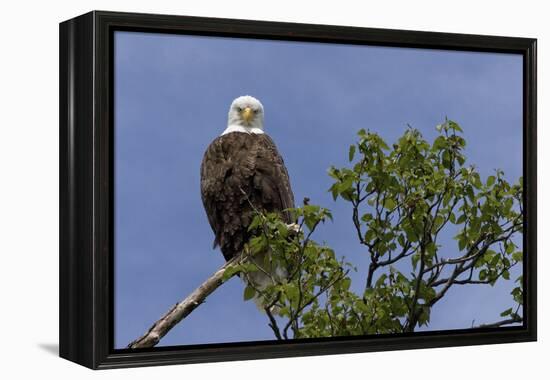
(86, 188)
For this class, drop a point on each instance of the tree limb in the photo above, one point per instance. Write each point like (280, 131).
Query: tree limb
(509, 321)
(184, 308)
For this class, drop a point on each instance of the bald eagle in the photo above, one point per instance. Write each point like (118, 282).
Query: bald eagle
(241, 172)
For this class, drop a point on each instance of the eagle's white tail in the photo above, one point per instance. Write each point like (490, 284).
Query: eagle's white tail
(268, 274)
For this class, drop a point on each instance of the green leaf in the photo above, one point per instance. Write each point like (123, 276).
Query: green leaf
(346, 283)
(229, 272)
(411, 235)
(283, 230)
(366, 217)
(255, 223)
(334, 173)
(452, 218)
(483, 275)
(461, 243)
(440, 143)
(491, 180)
(370, 235)
(414, 260)
(453, 125)
(389, 204)
(383, 144)
(438, 221)
(506, 312)
(476, 180)
(446, 199)
(249, 292)
(334, 190)
(401, 240)
(446, 158)
(345, 185)
(424, 316)
(292, 292)
(351, 152)
(257, 244)
(431, 249)
(470, 193)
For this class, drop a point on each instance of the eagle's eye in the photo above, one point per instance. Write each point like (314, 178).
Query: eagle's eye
(239, 109)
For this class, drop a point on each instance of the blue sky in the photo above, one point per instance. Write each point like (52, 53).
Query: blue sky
(172, 95)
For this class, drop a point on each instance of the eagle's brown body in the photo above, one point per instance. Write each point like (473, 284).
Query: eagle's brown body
(241, 172)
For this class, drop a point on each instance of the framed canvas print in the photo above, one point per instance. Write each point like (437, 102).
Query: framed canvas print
(236, 189)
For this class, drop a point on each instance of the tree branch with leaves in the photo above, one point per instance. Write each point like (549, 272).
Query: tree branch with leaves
(402, 200)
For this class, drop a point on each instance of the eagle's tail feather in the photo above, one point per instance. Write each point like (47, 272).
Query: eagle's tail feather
(262, 278)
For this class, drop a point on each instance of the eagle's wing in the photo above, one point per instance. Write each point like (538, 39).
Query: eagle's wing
(242, 173)
(271, 177)
(214, 168)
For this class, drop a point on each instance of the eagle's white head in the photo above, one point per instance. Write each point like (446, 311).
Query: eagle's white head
(246, 114)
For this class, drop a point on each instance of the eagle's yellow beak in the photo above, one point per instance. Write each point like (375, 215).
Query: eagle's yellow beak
(247, 114)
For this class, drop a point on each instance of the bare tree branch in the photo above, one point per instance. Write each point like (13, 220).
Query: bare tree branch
(182, 309)
(509, 321)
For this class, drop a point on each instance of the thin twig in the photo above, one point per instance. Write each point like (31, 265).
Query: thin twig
(272, 321)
